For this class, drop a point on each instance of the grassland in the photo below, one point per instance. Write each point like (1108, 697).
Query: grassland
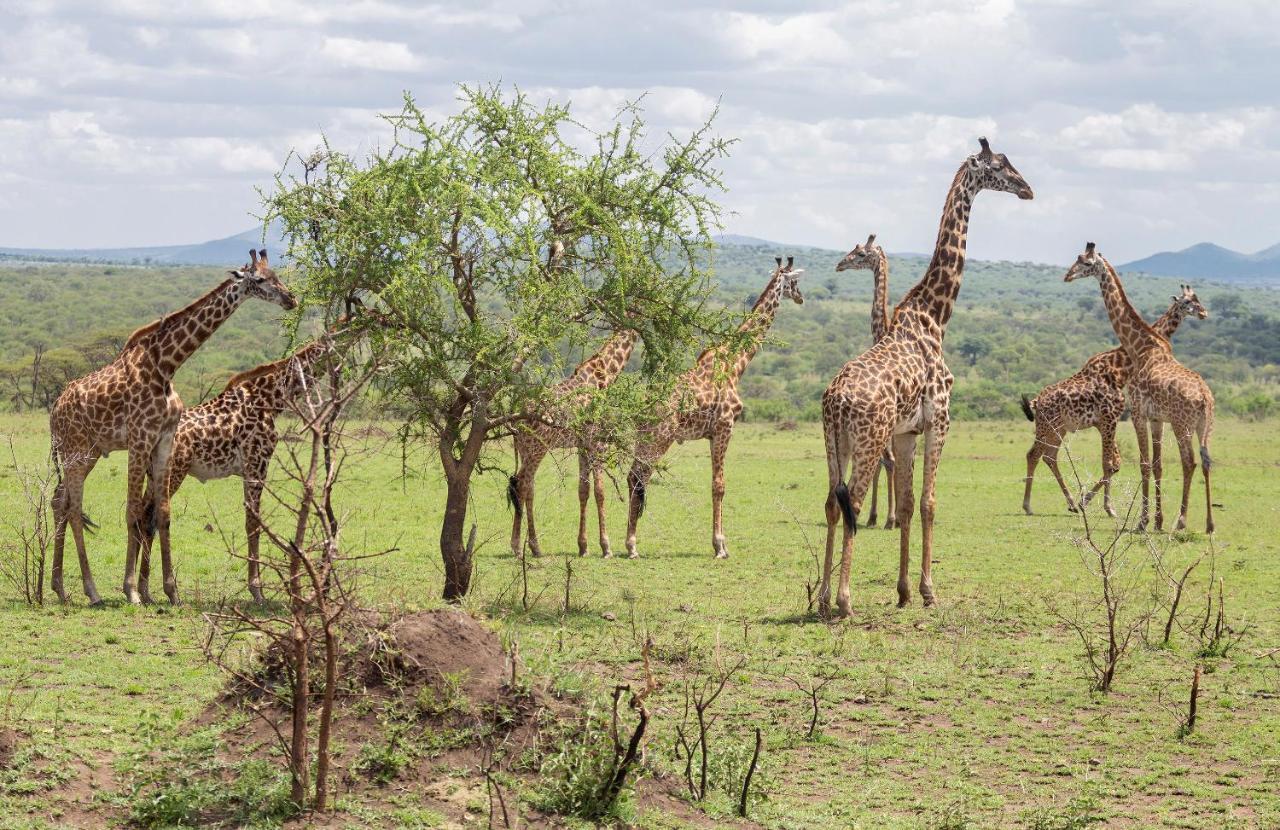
(973, 714)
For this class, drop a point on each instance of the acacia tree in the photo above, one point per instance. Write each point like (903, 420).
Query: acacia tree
(492, 244)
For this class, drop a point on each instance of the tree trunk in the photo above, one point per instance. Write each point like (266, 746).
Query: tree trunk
(453, 548)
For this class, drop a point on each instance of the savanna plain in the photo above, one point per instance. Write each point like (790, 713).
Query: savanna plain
(976, 713)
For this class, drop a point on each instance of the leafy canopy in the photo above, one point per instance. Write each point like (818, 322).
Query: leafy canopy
(495, 243)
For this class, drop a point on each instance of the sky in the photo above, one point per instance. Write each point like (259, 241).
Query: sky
(1144, 126)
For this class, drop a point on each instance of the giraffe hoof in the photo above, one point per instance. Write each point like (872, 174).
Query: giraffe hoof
(607, 554)
(928, 600)
(722, 554)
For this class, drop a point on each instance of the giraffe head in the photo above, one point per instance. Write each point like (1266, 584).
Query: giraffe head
(789, 274)
(259, 280)
(994, 171)
(866, 256)
(1189, 304)
(1088, 264)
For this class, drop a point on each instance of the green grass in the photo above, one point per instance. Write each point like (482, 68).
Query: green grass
(976, 713)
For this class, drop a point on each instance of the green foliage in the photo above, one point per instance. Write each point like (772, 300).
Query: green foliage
(1079, 813)
(382, 761)
(574, 769)
(189, 784)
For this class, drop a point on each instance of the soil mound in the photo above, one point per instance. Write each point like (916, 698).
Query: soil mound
(448, 647)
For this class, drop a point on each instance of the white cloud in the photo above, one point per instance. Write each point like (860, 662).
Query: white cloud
(1146, 119)
(379, 55)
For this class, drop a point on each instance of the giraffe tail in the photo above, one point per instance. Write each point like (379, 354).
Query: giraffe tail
(513, 495)
(1028, 407)
(846, 507)
(636, 485)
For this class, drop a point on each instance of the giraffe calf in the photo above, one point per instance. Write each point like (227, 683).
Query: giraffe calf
(1094, 397)
(234, 434)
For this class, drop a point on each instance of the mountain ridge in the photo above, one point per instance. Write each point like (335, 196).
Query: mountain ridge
(1202, 261)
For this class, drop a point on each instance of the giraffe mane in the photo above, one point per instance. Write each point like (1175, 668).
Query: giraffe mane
(241, 378)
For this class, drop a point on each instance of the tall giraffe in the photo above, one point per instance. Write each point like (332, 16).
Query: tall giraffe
(1162, 388)
(234, 434)
(901, 388)
(1093, 397)
(555, 432)
(705, 404)
(130, 404)
(870, 256)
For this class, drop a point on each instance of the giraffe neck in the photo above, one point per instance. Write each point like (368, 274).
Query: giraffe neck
(757, 324)
(880, 298)
(1134, 333)
(1168, 322)
(177, 336)
(290, 377)
(935, 294)
(603, 368)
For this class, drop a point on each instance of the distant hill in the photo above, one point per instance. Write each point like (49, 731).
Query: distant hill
(1209, 261)
(1205, 261)
(232, 250)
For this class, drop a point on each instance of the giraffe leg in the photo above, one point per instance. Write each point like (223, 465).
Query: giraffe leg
(136, 519)
(254, 481)
(517, 505)
(59, 505)
(904, 459)
(144, 554)
(933, 443)
(719, 447)
(1140, 429)
(1051, 459)
(1157, 469)
(1110, 456)
(72, 513)
(1110, 466)
(872, 515)
(528, 473)
(890, 485)
(1033, 458)
(866, 460)
(159, 507)
(1188, 454)
(836, 463)
(1205, 433)
(584, 497)
(598, 475)
(647, 454)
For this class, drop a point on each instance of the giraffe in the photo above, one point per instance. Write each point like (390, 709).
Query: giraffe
(1093, 397)
(130, 405)
(901, 388)
(1162, 389)
(534, 442)
(234, 434)
(704, 405)
(871, 256)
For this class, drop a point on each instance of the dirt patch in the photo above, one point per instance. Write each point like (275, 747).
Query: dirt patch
(8, 746)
